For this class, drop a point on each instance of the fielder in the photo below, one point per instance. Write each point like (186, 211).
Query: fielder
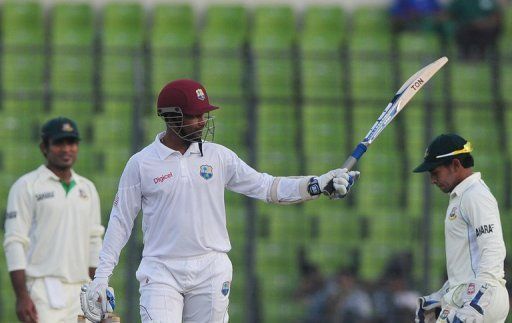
(475, 251)
(52, 231)
(178, 181)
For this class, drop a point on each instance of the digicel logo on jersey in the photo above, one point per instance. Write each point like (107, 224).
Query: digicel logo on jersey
(162, 178)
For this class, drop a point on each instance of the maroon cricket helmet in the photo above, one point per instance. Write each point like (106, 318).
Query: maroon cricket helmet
(187, 95)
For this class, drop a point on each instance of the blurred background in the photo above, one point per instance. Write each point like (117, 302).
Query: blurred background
(299, 84)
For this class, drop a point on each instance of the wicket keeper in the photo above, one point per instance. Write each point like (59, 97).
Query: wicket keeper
(475, 252)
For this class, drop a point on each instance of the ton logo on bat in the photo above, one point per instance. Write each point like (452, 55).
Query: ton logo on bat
(417, 84)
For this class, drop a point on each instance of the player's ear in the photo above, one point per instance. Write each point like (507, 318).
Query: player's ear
(457, 164)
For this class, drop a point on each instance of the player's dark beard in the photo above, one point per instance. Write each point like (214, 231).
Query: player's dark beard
(174, 122)
(195, 136)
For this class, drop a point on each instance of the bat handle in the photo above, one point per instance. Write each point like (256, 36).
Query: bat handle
(348, 164)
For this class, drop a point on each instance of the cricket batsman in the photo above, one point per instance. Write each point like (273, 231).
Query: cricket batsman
(178, 182)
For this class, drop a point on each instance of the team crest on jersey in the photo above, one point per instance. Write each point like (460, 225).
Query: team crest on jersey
(206, 171)
(83, 194)
(225, 288)
(200, 94)
(453, 214)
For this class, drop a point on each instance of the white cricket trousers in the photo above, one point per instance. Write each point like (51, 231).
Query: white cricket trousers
(46, 313)
(194, 289)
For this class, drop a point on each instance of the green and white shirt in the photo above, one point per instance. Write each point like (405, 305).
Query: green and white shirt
(51, 228)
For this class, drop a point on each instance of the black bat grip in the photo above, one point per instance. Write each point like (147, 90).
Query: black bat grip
(348, 164)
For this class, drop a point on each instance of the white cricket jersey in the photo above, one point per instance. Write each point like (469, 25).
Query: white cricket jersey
(473, 236)
(49, 232)
(182, 201)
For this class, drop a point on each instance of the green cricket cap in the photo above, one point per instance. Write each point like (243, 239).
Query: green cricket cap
(60, 128)
(442, 149)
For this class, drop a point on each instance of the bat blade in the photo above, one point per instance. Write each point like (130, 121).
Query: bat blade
(397, 104)
(403, 96)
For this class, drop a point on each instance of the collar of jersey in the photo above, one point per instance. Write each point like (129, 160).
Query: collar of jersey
(52, 175)
(163, 151)
(465, 184)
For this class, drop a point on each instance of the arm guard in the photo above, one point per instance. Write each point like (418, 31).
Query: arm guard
(308, 189)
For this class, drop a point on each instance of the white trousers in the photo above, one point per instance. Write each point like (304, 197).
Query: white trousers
(68, 295)
(188, 290)
(492, 301)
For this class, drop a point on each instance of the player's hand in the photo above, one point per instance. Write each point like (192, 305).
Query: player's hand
(97, 299)
(26, 309)
(342, 181)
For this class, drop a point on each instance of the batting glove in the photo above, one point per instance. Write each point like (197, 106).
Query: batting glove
(342, 181)
(97, 299)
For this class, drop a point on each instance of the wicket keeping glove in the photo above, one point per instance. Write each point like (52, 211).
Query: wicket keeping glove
(428, 307)
(97, 299)
(468, 314)
(342, 181)
(476, 295)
